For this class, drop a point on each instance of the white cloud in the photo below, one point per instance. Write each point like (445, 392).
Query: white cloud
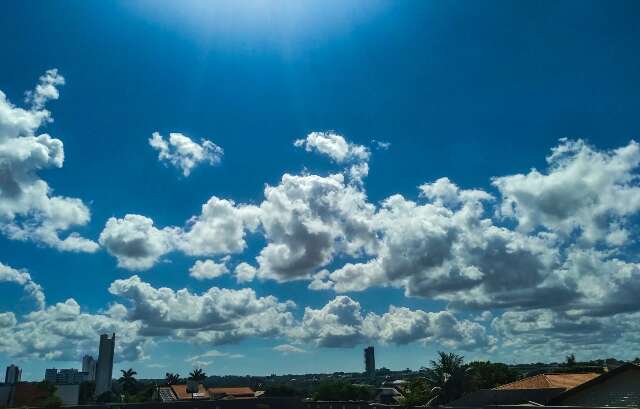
(27, 209)
(219, 229)
(244, 272)
(23, 278)
(216, 316)
(307, 220)
(63, 332)
(183, 153)
(208, 269)
(287, 349)
(135, 242)
(334, 146)
(585, 190)
(340, 323)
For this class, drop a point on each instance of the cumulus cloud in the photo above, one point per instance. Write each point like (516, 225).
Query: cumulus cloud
(244, 272)
(135, 242)
(23, 278)
(28, 210)
(183, 153)
(341, 151)
(62, 332)
(341, 323)
(307, 220)
(446, 248)
(334, 146)
(585, 190)
(219, 229)
(216, 316)
(208, 269)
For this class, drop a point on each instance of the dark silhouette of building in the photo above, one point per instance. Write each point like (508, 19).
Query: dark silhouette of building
(12, 375)
(104, 368)
(369, 361)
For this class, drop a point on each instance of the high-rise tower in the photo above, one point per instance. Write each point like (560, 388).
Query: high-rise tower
(369, 361)
(89, 366)
(104, 367)
(12, 375)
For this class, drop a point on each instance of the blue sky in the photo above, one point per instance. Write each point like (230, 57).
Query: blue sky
(475, 92)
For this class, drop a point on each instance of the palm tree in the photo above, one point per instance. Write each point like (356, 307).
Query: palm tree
(128, 381)
(197, 375)
(172, 378)
(447, 378)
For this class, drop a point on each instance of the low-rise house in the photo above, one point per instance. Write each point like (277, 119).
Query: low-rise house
(618, 387)
(232, 393)
(540, 389)
(184, 392)
(388, 395)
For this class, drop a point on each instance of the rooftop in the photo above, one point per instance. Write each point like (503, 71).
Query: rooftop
(552, 380)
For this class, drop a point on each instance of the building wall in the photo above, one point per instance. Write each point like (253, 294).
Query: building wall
(68, 394)
(104, 368)
(5, 394)
(620, 390)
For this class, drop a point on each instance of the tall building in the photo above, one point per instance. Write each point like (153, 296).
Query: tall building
(104, 367)
(64, 376)
(369, 361)
(89, 366)
(51, 375)
(12, 375)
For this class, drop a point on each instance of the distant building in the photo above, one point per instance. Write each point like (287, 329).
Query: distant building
(51, 375)
(65, 376)
(12, 375)
(369, 361)
(89, 366)
(104, 367)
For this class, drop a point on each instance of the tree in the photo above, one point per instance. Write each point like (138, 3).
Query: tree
(281, 390)
(172, 378)
(128, 381)
(87, 390)
(488, 375)
(333, 389)
(447, 377)
(417, 393)
(197, 375)
(570, 360)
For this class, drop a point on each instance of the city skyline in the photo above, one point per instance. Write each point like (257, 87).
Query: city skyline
(253, 189)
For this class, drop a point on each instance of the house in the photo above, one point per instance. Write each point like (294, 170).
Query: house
(184, 392)
(388, 395)
(231, 393)
(618, 387)
(540, 389)
(551, 381)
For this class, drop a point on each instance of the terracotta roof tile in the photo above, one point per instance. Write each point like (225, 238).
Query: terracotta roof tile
(553, 380)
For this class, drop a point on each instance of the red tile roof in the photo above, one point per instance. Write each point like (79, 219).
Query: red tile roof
(242, 392)
(182, 394)
(552, 380)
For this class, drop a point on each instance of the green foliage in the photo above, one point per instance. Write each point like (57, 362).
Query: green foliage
(447, 377)
(51, 402)
(128, 382)
(281, 390)
(341, 390)
(417, 393)
(172, 378)
(570, 360)
(197, 375)
(106, 397)
(144, 394)
(488, 375)
(87, 390)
